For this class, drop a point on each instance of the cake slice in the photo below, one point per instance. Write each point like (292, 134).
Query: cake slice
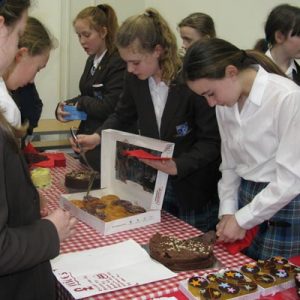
(182, 255)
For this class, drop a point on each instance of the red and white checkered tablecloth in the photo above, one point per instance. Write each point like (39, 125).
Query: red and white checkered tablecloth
(87, 238)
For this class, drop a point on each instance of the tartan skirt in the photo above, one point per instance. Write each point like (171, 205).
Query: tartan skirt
(204, 218)
(279, 236)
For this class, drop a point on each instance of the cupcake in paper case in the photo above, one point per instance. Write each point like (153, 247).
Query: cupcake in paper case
(225, 284)
(273, 275)
(41, 177)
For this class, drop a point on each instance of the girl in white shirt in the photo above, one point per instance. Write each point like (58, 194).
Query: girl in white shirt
(282, 39)
(258, 113)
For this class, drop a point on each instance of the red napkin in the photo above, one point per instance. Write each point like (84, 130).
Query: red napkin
(59, 158)
(29, 149)
(49, 163)
(54, 159)
(143, 154)
(239, 245)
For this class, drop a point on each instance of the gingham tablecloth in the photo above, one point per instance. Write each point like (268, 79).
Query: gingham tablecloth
(87, 238)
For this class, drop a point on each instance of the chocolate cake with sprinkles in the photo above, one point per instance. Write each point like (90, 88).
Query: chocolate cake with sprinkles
(182, 255)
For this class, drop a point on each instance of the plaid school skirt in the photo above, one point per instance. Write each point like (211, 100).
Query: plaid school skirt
(279, 236)
(204, 218)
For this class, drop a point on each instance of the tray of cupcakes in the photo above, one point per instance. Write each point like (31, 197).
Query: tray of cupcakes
(131, 193)
(250, 281)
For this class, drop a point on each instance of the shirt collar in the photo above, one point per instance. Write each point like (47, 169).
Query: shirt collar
(258, 87)
(153, 84)
(292, 67)
(98, 59)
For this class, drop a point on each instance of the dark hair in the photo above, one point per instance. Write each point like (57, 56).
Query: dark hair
(149, 30)
(10, 133)
(101, 16)
(36, 38)
(209, 59)
(12, 10)
(201, 22)
(284, 18)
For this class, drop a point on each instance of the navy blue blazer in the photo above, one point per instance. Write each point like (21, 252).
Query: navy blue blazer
(99, 93)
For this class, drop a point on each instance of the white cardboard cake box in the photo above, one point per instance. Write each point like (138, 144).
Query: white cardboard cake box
(129, 187)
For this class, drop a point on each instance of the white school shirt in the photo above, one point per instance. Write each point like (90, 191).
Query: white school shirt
(96, 62)
(159, 94)
(261, 144)
(8, 106)
(291, 68)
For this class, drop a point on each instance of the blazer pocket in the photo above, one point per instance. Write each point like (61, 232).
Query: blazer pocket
(182, 130)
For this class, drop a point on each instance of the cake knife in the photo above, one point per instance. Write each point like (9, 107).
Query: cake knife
(81, 152)
(93, 175)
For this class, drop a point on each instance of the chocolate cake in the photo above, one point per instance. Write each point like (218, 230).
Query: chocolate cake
(80, 179)
(183, 255)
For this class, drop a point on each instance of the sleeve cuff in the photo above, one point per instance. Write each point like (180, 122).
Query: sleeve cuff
(227, 207)
(246, 219)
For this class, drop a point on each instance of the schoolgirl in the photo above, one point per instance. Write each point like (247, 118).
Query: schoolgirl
(27, 242)
(102, 80)
(282, 39)
(32, 56)
(258, 112)
(194, 27)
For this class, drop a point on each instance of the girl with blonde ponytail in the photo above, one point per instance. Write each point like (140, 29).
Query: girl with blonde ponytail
(102, 80)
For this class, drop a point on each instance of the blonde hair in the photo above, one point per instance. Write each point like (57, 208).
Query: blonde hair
(36, 38)
(101, 16)
(149, 30)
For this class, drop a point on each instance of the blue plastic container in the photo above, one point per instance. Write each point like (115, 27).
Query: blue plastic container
(74, 114)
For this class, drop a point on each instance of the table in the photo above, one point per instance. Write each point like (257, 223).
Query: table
(87, 238)
(53, 126)
(47, 127)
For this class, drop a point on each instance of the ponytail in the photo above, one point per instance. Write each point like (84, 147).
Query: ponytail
(111, 25)
(146, 31)
(261, 45)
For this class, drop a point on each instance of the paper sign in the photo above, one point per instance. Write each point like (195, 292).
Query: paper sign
(107, 269)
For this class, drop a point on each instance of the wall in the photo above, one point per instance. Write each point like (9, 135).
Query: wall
(239, 21)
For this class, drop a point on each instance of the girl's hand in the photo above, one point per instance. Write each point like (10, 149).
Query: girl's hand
(60, 113)
(63, 222)
(86, 142)
(228, 230)
(43, 206)
(166, 166)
